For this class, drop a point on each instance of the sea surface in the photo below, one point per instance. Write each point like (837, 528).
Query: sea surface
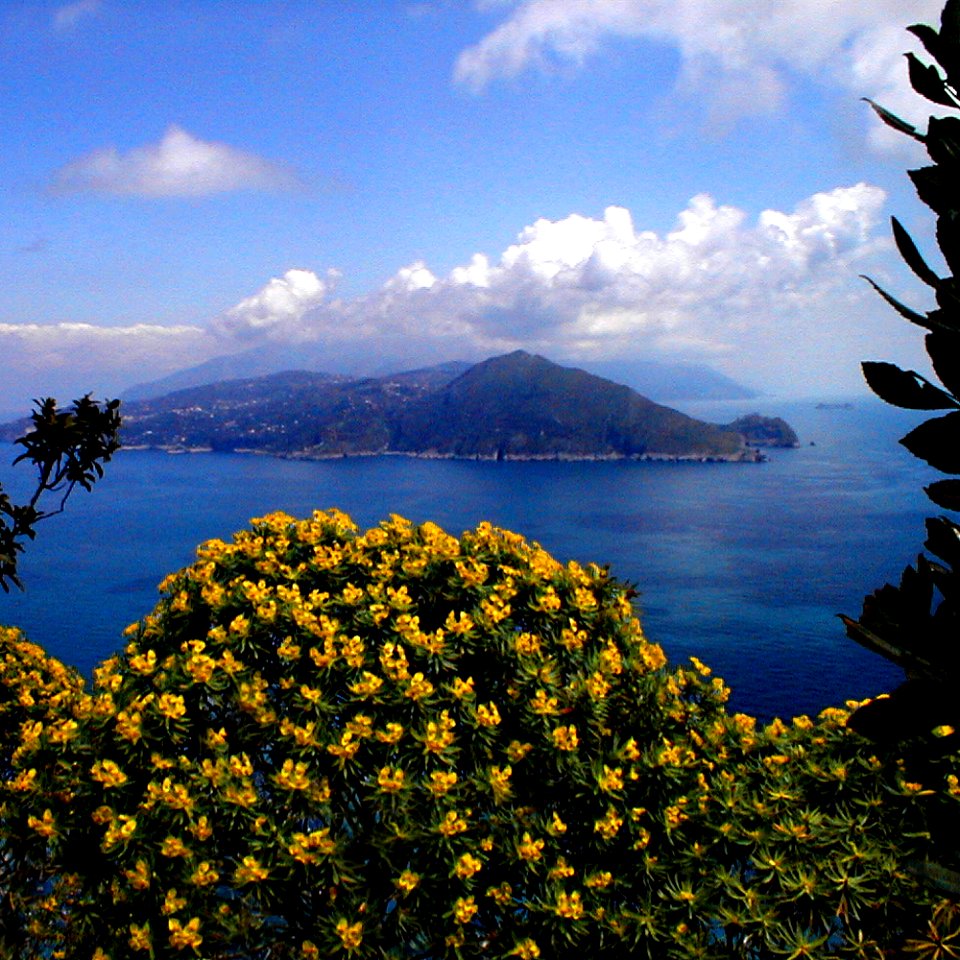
(745, 566)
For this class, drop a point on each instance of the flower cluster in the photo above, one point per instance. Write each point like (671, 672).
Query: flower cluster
(327, 742)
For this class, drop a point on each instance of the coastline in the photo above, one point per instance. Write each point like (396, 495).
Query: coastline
(749, 455)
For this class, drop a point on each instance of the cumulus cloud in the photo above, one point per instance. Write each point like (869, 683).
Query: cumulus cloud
(772, 299)
(69, 15)
(737, 54)
(179, 165)
(718, 287)
(278, 306)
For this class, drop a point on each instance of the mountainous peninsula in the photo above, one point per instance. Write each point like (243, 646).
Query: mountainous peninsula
(512, 407)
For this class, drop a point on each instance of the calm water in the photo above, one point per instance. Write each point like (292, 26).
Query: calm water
(745, 566)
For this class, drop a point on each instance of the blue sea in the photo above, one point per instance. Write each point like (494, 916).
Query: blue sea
(745, 566)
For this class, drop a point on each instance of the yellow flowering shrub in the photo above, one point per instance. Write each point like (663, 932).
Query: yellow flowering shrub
(400, 743)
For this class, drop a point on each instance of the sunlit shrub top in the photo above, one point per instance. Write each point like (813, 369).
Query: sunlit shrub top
(399, 742)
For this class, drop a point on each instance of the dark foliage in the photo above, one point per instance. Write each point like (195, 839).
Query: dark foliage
(917, 623)
(67, 448)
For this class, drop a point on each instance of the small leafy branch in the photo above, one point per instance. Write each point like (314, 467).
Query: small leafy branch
(917, 624)
(67, 447)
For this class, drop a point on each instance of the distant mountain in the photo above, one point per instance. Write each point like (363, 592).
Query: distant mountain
(662, 380)
(658, 380)
(510, 407)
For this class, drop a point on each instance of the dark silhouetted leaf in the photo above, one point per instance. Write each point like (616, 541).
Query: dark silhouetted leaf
(938, 442)
(943, 346)
(904, 311)
(950, 27)
(892, 120)
(905, 388)
(911, 255)
(943, 540)
(945, 493)
(926, 80)
(930, 40)
(948, 239)
(938, 191)
(943, 140)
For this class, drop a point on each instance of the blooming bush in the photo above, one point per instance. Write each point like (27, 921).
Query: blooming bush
(398, 743)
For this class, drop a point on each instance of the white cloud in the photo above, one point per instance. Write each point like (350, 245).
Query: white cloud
(719, 287)
(278, 306)
(738, 55)
(773, 299)
(69, 15)
(180, 165)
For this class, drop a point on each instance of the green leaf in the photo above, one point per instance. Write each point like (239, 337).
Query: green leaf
(945, 493)
(926, 80)
(911, 255)
(905, 388)
(918, 318)
(892, 120)
(943, 348)
(938, 442)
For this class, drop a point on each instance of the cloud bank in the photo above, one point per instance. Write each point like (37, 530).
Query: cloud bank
(738, 55)
(773, 300)
(66, 17)
(742, 295)
(179, 165)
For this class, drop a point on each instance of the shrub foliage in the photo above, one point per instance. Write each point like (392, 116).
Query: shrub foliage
(399, 743)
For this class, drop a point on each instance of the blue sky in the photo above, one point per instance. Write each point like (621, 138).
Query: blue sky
(402, 182)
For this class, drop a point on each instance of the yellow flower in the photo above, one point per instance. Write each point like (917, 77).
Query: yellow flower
(204, 875)
(488, 716)
(609, 825)
(467, 866)
(171, 705)
(452, 824)
(174, 847)
(144, 663)
(418, 688)
(368, 686)
(565, 738)
(350, 934)
(599, 880)
(544, 705)
(250, 871)
(390, 734)
(139, 937)
(611, 780)
(569, 906)
(128, 725)
(557, 826)
(439, 733)
(184, 936)
(390, 781)
(525, 950)
(172, 903)
(139, 876)
(516, 751)
(441, 782)
(408, 881)
(501, 894)
(560, 870)
(529, 849)
(462, 688)
(464, 909)
(293, 776)
(108, 773)
(499, 779)
(526, 644)
(45, 826)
